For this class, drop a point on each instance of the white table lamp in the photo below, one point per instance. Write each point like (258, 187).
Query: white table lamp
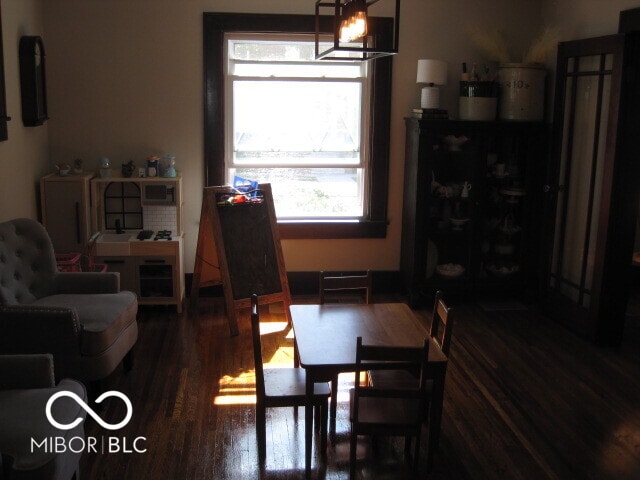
(433, 73)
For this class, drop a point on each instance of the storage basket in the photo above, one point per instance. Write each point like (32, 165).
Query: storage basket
(68, 262)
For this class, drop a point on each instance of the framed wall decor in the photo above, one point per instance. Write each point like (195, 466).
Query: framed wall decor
(33, 86)
(3, 104)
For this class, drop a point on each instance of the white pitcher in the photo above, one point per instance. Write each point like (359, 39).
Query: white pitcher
(466, 188)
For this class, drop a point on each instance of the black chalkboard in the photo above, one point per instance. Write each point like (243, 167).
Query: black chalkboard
(248, 247)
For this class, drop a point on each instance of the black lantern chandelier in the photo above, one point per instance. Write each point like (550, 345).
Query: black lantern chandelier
(354, 33)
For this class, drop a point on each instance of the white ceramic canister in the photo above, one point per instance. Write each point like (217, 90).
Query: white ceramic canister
(521, 91)
(478, 101)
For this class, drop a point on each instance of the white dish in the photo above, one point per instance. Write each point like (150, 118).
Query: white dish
(458, 222)
(513, 192)
(450, 270)
(503, 271)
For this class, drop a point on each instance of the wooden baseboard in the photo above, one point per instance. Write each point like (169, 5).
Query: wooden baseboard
(306, 283)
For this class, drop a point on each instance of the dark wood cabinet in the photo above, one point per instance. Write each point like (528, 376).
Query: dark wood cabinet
(471, 215)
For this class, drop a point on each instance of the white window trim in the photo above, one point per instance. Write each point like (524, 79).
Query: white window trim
(365, 130)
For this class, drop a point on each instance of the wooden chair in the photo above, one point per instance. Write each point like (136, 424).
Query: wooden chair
(440, 331)
(389, 411)
(345, 283)
(282, 387)
(442, 324)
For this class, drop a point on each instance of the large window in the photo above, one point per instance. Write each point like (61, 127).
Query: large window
(297, 123)
(276, 115)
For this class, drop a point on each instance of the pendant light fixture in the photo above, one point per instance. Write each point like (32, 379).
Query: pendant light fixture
(354, 32)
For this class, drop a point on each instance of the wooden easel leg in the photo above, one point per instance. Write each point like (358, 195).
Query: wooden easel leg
(232, 315)
(195, 290)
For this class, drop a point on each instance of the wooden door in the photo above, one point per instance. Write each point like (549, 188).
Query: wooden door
(592, 193)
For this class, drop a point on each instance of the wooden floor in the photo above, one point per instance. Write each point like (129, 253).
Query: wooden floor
(524, 399)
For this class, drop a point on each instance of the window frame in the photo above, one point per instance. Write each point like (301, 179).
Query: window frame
(364, 82)
(215, 25)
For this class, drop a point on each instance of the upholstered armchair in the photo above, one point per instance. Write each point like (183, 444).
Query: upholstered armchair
(26, 385)
(81, 318)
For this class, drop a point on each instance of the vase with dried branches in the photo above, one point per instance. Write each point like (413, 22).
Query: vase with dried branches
(521, 82)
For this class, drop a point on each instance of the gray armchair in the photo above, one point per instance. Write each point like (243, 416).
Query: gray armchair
(82, 319)
(26, 384)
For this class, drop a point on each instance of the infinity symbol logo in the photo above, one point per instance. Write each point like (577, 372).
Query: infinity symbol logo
(89, 410)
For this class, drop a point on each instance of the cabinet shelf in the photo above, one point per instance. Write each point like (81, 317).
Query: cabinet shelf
(493, 179)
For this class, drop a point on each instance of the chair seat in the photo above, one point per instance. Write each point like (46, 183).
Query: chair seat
(22, 418)
(291, 383)
(398, 379)
(103, 316)
(385, 411)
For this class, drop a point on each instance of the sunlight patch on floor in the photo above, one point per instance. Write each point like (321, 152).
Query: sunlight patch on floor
(267, 328)
(240, 390)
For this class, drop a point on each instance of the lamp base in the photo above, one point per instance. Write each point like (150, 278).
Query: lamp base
(430, 97)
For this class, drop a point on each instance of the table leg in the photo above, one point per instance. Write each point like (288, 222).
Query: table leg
(435, 416)
(296, 355)
(308, 424)
(333, 409)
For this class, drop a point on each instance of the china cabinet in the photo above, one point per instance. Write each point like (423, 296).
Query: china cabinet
(472, 193)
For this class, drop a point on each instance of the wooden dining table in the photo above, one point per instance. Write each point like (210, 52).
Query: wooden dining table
(325, 337)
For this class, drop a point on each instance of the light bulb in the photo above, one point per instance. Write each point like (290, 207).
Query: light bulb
(344, 31)
(359, 21)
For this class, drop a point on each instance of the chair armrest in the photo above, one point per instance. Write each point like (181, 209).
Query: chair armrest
(26, 329)
(86, 282)
(26, 371)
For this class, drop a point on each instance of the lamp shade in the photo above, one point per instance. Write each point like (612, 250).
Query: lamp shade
(432, 71)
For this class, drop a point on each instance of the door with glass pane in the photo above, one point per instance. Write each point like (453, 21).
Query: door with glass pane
(592, 193)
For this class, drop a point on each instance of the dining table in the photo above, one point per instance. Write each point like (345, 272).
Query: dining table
(325, 338)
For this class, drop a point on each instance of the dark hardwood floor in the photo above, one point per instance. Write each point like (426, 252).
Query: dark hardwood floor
(524, 399)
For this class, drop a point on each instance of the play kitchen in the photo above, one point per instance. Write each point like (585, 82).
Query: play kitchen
(139, 221)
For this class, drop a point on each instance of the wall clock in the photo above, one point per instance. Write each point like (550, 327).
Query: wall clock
(32, 81)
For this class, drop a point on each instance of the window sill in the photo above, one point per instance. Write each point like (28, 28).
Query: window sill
(331, 229)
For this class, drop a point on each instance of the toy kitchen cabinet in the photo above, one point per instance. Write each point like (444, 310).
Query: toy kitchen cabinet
(141, 235)
(65, 207)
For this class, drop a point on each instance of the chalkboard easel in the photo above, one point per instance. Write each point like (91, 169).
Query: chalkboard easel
(248, 248)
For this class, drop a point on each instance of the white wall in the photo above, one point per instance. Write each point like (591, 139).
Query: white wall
(24, 157)
(585, 18)
(125, 80)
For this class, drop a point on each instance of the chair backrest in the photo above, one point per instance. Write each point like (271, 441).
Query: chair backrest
(257, 348)
(332, 283)
(377, 357)
(442, 324)
(27, 261)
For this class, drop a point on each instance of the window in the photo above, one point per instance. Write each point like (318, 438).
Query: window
(297, 123)
(322, 146)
